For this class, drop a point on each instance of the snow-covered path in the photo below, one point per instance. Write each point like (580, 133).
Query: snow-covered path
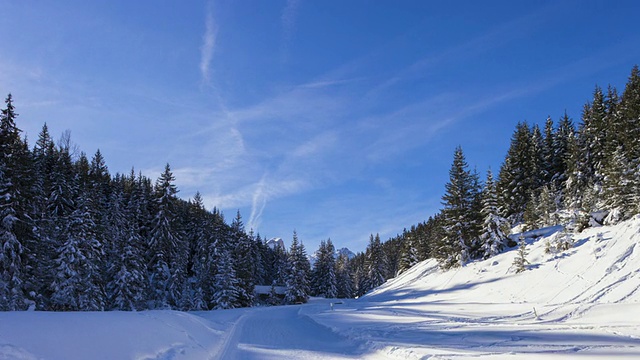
(284, 332)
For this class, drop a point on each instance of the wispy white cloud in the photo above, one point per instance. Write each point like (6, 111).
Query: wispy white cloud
(328, 83)
(208, 46)
(258, 204)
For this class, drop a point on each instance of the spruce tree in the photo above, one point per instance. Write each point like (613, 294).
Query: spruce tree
(493, 238)
(455, 249)
(12, 271)
(520, 262)
(375, 264)
(564, 148)
(323, 275)
(409, 254)
(12, 268)
(164, 276)
(245, 261)
(548, 152)
(630, 114)
(344, 280)
(226, 295)
(203, 251)
(297, 281)
(618, 188)
(126, 272)
(518, 176)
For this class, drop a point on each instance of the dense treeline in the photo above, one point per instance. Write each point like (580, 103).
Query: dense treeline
(75, 238)
(72, 237)
(558, 174)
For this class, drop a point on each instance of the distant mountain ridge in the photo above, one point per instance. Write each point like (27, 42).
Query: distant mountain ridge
(275, 243)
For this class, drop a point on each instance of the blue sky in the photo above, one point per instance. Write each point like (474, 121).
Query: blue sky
(334, 118)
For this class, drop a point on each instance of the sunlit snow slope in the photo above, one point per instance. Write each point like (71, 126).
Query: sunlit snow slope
(583, 301)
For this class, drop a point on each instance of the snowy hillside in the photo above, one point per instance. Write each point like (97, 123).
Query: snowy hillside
(602, 267)
(585, 300)
(581, 302)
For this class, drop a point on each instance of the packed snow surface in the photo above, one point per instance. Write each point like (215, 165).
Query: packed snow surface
(583, 302)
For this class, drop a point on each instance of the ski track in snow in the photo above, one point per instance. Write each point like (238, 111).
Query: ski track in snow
(283, 332)
(231, 340)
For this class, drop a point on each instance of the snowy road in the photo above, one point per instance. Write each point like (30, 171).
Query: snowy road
(284, 332)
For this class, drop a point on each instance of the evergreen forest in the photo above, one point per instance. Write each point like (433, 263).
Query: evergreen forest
(74, 237)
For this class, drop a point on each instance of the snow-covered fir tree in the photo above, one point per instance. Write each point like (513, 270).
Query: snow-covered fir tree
(324, 275)
(517, 175)
(375, 264)
(298, 271)
(344, 277)
(126, 269)
(227, 293)
(618, 187)
(12, 268)
(245, 260)
(492, 237)
(456, 248)
(162, 244)
(520, 262)
(409, 254)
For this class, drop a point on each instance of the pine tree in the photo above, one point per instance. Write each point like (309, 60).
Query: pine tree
(493, 238)
(165, 274)
(576, 181)
(297, 282)
(518, 177)
(459, 216)
(344, 280)
(593, 133)
(375, 264)
(323, 275)
(126, 287)
(548, 152)
(547, 207)
(245, 261)
(618, 188)
(203, 251)
(12, 269)
(564, 165)
(78, 280)
(520, 262)
(630, 115)
(409, 255)
(227, 288)
(39, 245)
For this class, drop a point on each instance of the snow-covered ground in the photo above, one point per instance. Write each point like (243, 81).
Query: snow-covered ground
(583, 302)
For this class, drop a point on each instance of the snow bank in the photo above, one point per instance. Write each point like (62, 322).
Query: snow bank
(106, 335)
